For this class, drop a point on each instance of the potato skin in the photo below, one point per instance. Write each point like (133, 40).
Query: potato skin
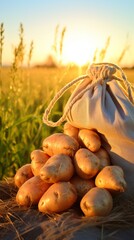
(58, 198)
(82, 185)
(104, 157)
(70, 130)
(96, 202)
(31, 191)
(89, 139)
(60, 143)
(23, 174)
(111, 178)
(86, 163)
(38, 159)
(58, 168)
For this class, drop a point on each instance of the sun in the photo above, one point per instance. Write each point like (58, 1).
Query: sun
(78, 51)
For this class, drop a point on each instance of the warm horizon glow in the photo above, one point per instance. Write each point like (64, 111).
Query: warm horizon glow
(76, 49)
(79, 51)
(88, 24)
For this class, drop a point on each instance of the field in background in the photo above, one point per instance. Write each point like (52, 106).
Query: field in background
(24, 98)
(22, 104)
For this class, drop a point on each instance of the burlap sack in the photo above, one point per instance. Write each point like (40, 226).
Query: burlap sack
(104, 101)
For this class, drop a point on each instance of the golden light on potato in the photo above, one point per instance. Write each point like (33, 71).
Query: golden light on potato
(60, 143)
(58, 198)
(23, 174)
(96, 202)
(86, 163)
(59, 167)
(71, 167)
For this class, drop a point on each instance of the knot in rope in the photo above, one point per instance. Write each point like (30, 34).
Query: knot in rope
(101, 72)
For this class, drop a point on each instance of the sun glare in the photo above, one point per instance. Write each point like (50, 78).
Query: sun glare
(78, 51)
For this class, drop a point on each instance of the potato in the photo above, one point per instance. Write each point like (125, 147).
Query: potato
(96, 202)
(104, 157)
(89, 139)
(58, 198)
(71, 130)
(31, 191)
(82, 185)
(38, 158)
(23, 174)
(58, 168)
(60, 143)
(86, 163)
(111, 178)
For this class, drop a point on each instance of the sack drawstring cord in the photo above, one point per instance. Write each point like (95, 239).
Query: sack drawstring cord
(97, 73)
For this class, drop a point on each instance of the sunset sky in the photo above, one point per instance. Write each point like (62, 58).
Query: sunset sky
(88, 23)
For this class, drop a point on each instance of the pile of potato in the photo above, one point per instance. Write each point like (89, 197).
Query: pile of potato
(72, 166)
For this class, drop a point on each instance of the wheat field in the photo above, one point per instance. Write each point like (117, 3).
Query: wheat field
(23, 101)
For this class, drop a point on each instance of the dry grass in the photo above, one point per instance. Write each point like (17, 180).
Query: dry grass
(27, 223)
